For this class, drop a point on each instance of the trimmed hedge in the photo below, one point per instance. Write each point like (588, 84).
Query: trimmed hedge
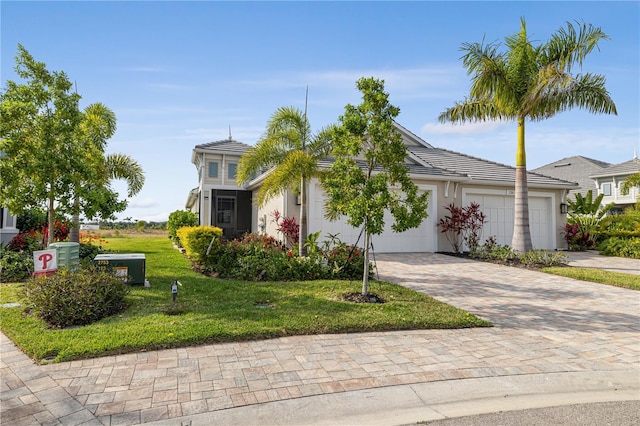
(196, 240)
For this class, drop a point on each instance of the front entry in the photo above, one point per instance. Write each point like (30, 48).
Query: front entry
(231, 212)
(226, 215)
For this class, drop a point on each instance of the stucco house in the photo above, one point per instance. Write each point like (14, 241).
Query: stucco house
(449, 177)
(609, 180)
(598, 176)
(8, 228)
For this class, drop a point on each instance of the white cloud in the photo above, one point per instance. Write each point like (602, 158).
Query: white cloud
(425, 82)
(462, 129)
(145, 203)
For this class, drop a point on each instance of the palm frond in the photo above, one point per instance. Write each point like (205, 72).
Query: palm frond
(586, 92)
(473, 110)
(569, 46)
(123, 167)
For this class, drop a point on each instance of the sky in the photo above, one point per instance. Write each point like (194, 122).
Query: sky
(178, 74)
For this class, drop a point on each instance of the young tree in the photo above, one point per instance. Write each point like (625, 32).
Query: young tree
(37, 129)
(54, 153)
(528, 82)
(369, 175)
(292, 151)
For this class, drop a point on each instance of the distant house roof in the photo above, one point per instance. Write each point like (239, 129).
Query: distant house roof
(622, 169)
(230, 145)
(574, 169)
(225, 146)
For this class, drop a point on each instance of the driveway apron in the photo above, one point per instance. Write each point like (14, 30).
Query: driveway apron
(543, 324)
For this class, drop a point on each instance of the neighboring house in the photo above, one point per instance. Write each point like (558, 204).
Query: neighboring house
(608, 182)
(450, 177)
(8, 228)
(218, 200)
(575, 169)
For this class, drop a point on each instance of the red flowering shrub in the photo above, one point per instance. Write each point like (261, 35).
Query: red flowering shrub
(289, 228)
(463, 224)
(578, 238)
(28, 241)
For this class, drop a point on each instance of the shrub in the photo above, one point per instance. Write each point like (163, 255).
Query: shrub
(623, 247)
(578, 237)
(178, 219)
(288, 227)
(15, 266)
(463, 224)
(262, 258)
(196, 240)
(69, 298)
(28, 241)
(31, 220)
(490, 250)
(542, 258)
(628, 221)
(345, 261)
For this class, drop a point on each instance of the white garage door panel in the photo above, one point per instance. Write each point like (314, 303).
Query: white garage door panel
(499, 211)
(422, 239)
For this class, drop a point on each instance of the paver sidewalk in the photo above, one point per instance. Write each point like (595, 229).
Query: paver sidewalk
(543, 324)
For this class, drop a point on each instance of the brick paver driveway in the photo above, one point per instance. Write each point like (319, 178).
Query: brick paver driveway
(543, 324)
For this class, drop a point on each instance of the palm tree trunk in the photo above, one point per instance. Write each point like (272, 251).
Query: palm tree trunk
(302, 237)
(521, 241)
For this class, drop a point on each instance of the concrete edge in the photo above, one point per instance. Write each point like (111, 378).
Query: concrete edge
(406, 404)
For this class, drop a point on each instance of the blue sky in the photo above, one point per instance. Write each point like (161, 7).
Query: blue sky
(178, 74)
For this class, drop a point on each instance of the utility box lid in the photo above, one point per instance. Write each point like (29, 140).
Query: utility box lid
(130, 267)
(120, 256)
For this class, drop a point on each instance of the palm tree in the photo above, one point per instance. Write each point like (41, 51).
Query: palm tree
(291, 151)
(533, 83)
(98, 125)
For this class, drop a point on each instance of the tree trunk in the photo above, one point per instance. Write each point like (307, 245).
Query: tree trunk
(521, 241)
(74, 232)
(365, 274)
(51, 219)
(302, 236)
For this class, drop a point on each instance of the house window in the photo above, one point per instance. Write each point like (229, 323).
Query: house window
(606, 189)
(213, 169)
(232, 167)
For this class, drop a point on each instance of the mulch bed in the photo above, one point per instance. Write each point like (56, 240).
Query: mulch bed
(361, 298)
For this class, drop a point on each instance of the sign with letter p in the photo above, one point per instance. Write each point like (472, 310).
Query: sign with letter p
(45, 262)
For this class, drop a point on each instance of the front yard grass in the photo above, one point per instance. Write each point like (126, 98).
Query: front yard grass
(213, 310)
(601, 276)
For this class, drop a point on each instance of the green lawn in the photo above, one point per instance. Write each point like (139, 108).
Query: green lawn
(213, 310)
(617, 279)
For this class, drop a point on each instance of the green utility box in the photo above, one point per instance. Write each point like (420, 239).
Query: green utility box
(68, 255)
(129, 267)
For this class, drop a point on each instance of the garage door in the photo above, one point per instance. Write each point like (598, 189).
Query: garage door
(421, 239)
(499, 211)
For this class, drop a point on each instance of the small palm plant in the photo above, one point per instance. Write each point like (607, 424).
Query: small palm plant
(581, 230)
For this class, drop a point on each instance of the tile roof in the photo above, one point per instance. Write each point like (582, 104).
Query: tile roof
(414, 169)
(225, 145)
(627, 168)
(481, 170)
